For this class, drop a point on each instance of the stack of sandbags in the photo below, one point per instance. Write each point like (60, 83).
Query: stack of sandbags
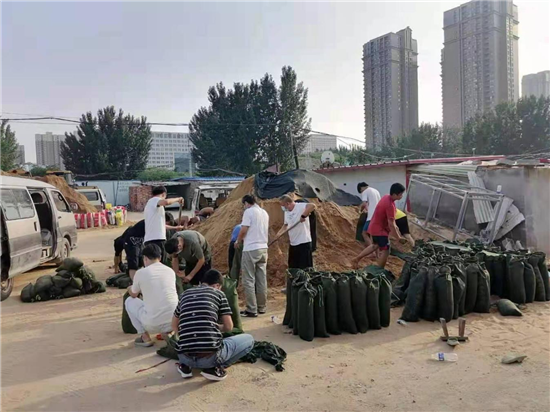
(72, 279)
(120, 280)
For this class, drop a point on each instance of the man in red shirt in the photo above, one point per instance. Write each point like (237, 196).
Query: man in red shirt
(382, 227)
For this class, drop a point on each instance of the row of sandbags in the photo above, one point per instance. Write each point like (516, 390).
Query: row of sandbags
(320, 304)
(72, 279)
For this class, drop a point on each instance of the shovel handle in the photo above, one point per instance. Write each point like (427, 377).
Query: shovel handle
(444, 327)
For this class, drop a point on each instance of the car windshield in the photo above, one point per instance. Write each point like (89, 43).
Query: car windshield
(91, 195)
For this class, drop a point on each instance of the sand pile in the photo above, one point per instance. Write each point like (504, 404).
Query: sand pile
(336, 243)
(72, 196)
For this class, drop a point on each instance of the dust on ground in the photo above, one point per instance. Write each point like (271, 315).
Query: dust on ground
(71, 355)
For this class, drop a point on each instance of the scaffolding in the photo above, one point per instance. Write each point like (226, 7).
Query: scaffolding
(460, 190)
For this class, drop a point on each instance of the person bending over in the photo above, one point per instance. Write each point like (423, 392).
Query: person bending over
(157, 284)
(190, 246)
(402, 224)
(201, 316)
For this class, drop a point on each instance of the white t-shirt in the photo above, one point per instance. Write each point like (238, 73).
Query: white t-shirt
(257, 221)
(157, 284)
(301, 233)
(371, 195)
(155, 220)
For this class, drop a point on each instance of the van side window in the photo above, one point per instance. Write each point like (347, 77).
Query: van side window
(91, 195)
(17, 204)
(60, 202)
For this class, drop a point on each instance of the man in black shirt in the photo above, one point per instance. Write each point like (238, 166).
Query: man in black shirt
(197, 321)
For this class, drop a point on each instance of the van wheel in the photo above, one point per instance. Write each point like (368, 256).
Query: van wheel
(65, 252)
(7, 287)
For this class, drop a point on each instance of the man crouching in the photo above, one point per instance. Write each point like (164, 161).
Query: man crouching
(201, 316)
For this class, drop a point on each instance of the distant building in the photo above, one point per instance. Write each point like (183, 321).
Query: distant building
(320, 143)
(184, 164)
(165, 146)
(479, 60)
(536, 84)
(390, 77)
(48, 149)
(20, 155)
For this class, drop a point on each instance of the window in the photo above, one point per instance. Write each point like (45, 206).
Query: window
(16, 203)
(24, 203)
(91, 195)
(60, 202)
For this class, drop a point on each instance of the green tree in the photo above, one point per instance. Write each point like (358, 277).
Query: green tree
(111, 145)
(8, 147)
(157, 174)
(428, 137)
(534, 117)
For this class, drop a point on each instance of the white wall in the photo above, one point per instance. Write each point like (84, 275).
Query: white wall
(117, 192)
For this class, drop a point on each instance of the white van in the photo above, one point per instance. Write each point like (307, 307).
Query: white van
(37, 226)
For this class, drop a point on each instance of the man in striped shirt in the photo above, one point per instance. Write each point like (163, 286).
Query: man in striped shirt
(201, 316)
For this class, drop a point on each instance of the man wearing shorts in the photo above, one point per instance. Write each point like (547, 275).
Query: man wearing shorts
(382, 227)
(370, 197)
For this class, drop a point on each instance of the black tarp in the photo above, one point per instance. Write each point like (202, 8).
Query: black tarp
(307, 184)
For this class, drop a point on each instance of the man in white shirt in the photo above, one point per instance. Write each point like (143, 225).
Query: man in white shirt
(253, 235)
(296, 223)
(155, 220)
(370, 197)
(157, 283)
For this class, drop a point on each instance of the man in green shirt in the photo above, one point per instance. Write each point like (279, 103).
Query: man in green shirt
(191, 247)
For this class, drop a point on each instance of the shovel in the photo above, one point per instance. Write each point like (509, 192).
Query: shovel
(282, 234)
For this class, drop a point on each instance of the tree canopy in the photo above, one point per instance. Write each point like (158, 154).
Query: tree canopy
(111, 145)
(251, 126)
(8, 147)
(156, 174)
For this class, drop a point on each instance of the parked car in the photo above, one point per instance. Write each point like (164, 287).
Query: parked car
(94, 195)
(37, 226)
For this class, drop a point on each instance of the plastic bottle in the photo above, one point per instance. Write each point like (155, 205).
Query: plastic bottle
(444, 357)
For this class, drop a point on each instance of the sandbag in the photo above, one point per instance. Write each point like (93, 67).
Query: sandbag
(415, 296)
(429, 311)
(127, 326)
(540, 293)
(43, 284)
(126, 281)
(530, 282)
(27, 293)
(60, 281)
(113, 280)
(508, 308)
(331, 306)
(296, 285)
(229, 287)
(496, 266)
(288, 312)
(320, 326)
(76, 283)
(64, 273)
(70, 264)
(98, 287)
(517, 284)
(85, 273)
(459, 289)
(401, 284)
(56, 292)
(42, 296)
(359, 303)
(373, 303)
(459, 270)
(71, 292)
(305, 319)
(385, 302)
(483, 298)
(472, 275)
(444, 291)
(345, 311)
(544, 273)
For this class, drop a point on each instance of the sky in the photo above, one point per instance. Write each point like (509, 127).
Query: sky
(159, 59)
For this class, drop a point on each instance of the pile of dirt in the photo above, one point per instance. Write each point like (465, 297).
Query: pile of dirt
(336, 243)
(72, 196)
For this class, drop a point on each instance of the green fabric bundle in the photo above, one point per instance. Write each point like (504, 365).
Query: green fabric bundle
(373, 303)
(229, 287)
(444, 291)
(70, 264)
(345, 311)
(331, 305)
(359, 302)
(385, 301)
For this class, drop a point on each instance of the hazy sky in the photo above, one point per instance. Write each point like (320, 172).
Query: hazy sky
(158, 59)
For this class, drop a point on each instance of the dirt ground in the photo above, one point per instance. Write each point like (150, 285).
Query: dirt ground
(71, 355)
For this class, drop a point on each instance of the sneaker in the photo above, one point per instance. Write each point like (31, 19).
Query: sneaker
(214, 374)
(262, 312)
(185, 371)
(247, 314)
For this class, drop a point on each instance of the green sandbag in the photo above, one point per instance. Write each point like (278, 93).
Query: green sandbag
(459, 270)
(127, 326)
(496, 266)
(359, 227)
(415, 296)
(113, 280)
(71, 264)
(459, 289)
(472, 275)
(483, 297)
(64, 273)
(60, 281)
(530, 282)
(71, 292)
(373, 303)
(85, 273)
(320, 325)
(294, 302)
(76, 283)
(359, 303)
(429, 312)
(516, 269)
(346, 322)
(229, 287)
(27, 293)
(290, 274)
(305, 319)
(385, 301)
(444, 292)
(544, 273)
(331, 306)
(98, 287)
(126, 281)
(508, 308)
(56, 292)
(43, 284)
(401, 285)
(42, 296)
(540, 293)
(169, 351)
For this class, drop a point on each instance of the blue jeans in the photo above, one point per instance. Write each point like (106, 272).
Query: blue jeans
(233, 349)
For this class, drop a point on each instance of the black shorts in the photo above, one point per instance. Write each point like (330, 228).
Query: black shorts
(133, 248)
(160, 243)
(383, 242)
(118, 245)
(403, 225)
(300, 256)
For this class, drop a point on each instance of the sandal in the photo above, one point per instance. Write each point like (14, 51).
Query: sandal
(140, 342)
